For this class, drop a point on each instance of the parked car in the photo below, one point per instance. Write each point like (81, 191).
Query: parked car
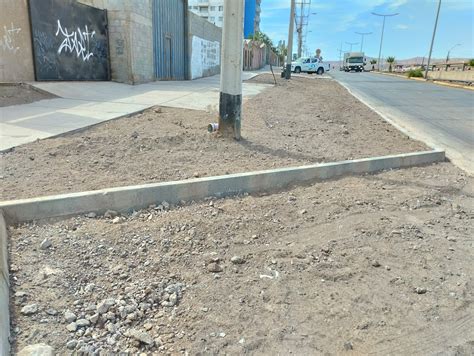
(309, 65)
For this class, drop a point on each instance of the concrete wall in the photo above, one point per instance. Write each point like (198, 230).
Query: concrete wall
(204, 47)
(130, 42)
(16, 55)
(141, 34)
(130, 39)
(465, 76)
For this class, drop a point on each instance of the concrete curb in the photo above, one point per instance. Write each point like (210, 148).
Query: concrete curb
(4, 290)
(453, 85)
(400, 76)
(129, 198)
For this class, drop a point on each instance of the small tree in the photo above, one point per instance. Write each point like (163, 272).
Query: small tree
(390, 61)
(471, 62)
(373, 62)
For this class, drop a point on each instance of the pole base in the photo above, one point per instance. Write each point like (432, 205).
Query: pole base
(288, 71)
(230, 110)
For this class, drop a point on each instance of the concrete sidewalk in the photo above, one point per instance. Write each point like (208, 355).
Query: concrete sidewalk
(81, 104)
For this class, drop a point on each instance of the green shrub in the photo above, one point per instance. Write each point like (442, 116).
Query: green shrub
(417, 73)
(471, 62)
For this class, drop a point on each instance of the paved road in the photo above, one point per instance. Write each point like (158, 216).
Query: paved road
(440, 116)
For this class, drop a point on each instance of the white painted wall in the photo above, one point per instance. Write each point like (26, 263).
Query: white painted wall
(205, 55)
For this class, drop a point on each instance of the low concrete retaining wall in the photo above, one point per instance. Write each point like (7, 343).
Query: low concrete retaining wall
(4, 290)
(462, 76)
(141, 196)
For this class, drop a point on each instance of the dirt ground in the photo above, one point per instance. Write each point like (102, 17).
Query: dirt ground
(379, 264)
(299, 122)
(21, 94)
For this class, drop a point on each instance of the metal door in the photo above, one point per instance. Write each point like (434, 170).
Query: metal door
(169, 39)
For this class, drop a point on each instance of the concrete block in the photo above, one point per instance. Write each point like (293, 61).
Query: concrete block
(4, 289)
(130, 198)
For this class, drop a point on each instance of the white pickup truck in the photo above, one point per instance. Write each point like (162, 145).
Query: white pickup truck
(310, 65)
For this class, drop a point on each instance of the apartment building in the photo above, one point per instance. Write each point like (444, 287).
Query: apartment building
(213, 11)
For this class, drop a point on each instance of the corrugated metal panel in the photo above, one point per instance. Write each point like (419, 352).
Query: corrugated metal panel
(169, 38)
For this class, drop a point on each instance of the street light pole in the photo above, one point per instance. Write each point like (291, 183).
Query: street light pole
(351, 44)
(230, 100)
(289, 57)
(447, 56)
(362, 34)
(381, 38)
(432, 40)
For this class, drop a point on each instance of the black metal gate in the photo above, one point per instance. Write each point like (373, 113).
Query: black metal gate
(70, 41)
(169, 39)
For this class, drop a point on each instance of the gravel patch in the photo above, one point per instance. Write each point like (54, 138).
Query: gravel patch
(373, 264)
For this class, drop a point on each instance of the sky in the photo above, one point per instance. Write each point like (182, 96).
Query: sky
(406, 35)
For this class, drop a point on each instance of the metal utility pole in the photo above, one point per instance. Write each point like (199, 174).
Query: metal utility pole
(301, 21)
(299, 30)
(381, 38)
(290, 41)
(230, 101)
(351, 44)
(362, 34)
(340, 55)
(432, 40)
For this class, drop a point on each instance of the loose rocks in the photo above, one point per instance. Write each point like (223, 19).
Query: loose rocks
(104, 306)
(83, 322)
(45, 244)
(110, 214)
(29, 309)
(375, 263)
(214, 267)
(420, 290)
(141, 336)
(37, 350)
(237, 260)
(69, 316)
(71, 345)
(72, 327)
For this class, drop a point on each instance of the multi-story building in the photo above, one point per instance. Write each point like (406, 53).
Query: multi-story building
(252, 17)
(213, 11)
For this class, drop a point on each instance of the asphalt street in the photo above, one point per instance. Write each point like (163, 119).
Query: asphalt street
(441, 116)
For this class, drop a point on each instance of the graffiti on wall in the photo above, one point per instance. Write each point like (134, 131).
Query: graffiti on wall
(70, 41)
(43, 45)
(8, 39)
(78, 41)
(205, 57)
